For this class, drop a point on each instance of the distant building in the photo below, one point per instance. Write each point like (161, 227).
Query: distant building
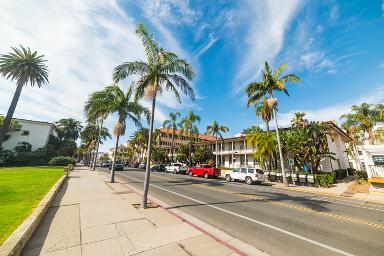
(165, 139)
(36, 133)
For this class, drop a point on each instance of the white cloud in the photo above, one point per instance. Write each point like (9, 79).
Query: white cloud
(334, 13)
(212, 40)
(332, 112)
(269, 21)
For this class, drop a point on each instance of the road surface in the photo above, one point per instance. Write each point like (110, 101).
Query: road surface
(277, 221)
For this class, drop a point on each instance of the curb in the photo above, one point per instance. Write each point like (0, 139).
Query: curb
(220, 236)
(19, 238)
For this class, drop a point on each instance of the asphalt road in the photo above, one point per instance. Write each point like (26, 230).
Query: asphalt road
(277, 221)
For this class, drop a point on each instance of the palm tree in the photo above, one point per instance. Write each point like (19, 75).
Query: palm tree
(96, 112)
(163, 71)
(272, 82)
(68, 129)
(265, 146)
(189, 129)
(298, 120)
(115, 100)
(89, 138)
(171, 123)
(264, 112)
(215, 130)
(364, 117)
(25, 67)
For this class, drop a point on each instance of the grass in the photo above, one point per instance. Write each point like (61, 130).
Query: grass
(21, 190)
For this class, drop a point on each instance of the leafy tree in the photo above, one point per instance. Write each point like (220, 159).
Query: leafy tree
(159, 155)
(298, 120)
(265, 145)
(14, 126)
(171, 123)
(252, 129)
(215, 130)
(122, 103)
(202, 155)
(68, 129)
(183, 154)
(163, 70)
(189, 129)
(25, 67)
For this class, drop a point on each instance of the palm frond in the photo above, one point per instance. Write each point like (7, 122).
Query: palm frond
(129, 68)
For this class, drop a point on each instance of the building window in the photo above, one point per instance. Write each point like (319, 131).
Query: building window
(360, 152)
(24, 133)
(241, 145)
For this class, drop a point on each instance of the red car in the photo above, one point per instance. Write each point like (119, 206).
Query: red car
(204, 170)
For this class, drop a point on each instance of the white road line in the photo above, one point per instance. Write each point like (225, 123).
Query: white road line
(251, 220)
(314, 196)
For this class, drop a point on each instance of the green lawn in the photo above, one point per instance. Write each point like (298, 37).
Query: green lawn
(21, 190)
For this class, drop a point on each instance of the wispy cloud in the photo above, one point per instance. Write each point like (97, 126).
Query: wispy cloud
(202, 49)
(264, 39)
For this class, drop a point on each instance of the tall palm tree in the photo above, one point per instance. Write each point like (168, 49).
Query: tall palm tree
(163, 71)
(215, 130)
(89, 137)
(96, 112)
(188, 128)
(25, 67)
(365, 117)
(273, 81)
(115, 100)
(264, 112)
(171, 123)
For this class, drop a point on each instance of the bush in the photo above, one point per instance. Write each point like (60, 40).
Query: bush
(350, 171)
(326, 178)
(341, 174)
(62, 161)
(360, 175)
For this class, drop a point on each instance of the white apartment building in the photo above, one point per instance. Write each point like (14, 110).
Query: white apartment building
(235, 152)
(35, 133)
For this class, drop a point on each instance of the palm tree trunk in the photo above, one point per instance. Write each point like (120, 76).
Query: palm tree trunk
(98, 143)
(267, 125)
(112, 180)
(371, 136)
(149, 151)
(11, 110)
(173, 146)
(216, 151)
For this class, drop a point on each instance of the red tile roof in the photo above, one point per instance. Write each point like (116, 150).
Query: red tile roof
(178, 132)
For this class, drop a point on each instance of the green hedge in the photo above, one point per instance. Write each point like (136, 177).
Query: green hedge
(341, 174)
(62, 161)
(326, 178)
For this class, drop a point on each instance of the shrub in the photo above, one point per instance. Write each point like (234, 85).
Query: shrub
(350, 171)
(360, 175)
(341, 174)
(62, 161)
(326, 178)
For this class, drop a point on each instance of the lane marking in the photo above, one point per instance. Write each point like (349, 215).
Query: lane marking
(250, 219)
(314, 196)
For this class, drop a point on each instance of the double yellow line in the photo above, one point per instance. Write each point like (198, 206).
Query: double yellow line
(292, 206)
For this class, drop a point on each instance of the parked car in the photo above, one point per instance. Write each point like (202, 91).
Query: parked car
(141, 166)
(204, 170)
(249, 175)
(118, 167)
(173, 167)
(104, 164)
(183, 169)
(158, 168)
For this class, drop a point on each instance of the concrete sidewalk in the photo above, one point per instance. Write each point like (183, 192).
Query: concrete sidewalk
(90, 216)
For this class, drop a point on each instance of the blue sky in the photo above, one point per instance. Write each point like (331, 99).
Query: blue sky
(336, 47)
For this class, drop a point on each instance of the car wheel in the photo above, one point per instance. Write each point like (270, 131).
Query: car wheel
(228, 178)
(258, 182)
(206, 175)
(248, 180)
(190, 173)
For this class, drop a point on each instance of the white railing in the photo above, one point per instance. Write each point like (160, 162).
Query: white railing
(376, 170)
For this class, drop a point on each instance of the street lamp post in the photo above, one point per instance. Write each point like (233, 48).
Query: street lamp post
(272, 103)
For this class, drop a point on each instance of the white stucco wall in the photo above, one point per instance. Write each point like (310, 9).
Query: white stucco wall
(38, 135)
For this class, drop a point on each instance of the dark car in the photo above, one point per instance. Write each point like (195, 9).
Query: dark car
(118, 167)
(158, 168)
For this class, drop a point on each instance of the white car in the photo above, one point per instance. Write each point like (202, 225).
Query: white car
(249, 175)
(173, 167)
